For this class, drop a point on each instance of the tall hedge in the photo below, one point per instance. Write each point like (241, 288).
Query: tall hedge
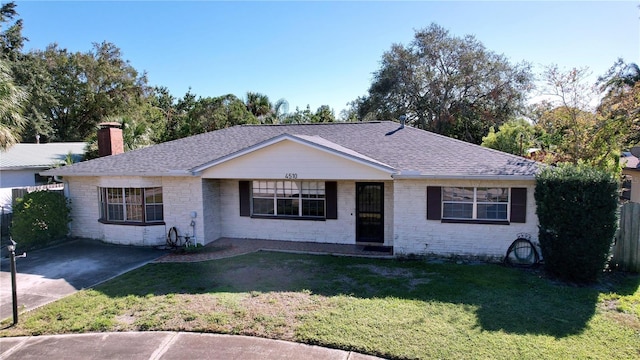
(39, 218)
(576, 207)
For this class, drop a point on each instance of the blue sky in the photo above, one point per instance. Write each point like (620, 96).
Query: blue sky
(323, 52)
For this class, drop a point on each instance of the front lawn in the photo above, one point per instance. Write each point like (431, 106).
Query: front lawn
(389, 308)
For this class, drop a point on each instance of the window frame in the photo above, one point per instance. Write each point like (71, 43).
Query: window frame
(288, 195)
(475, 203)
(129, 205)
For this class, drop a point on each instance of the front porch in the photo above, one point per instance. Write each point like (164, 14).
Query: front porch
(230, 247)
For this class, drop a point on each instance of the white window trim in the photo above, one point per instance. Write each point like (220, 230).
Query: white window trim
(475, 202)
(104, 204)
(300, 199)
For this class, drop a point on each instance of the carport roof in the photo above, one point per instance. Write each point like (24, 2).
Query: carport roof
(410, 152)
(40, 156)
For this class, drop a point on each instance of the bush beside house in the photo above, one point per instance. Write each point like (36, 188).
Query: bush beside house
(576, 207)
(39, 218)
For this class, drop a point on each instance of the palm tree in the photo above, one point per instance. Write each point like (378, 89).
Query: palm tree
(620, 75)
(279, 111)
(258, 104)
(12, 123)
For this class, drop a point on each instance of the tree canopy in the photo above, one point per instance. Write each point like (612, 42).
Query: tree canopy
(447, 84)
(61, 95)
(620, 105)
(12, 98)
(79, 90)
(514, 137)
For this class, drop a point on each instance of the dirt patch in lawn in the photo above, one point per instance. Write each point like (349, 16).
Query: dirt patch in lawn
(412, 277)
(272, 314)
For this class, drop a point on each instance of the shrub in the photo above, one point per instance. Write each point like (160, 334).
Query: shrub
(576, 207)
(39, 218)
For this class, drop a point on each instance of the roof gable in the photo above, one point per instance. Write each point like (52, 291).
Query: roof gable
(288, 156)
(315, 142)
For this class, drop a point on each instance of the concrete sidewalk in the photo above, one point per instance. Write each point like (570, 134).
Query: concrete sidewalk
(163, 345)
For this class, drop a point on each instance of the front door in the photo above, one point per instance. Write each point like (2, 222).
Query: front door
(370, 212)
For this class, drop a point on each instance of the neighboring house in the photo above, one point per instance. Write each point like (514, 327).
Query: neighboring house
(369, 183)
(21, 164)
(631, 171)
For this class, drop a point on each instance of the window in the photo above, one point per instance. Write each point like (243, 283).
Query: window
(288, 198)
(467, 203)
(131, 205)
(153, 204)
(42, 180)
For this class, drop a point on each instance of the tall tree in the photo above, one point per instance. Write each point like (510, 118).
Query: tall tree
(11, 39)
(566, 114)
(258, 105)
(576, 131)
(279, 111)
(212, 113)
(12, 98)
(620, 105)
(447, 84)
(514, 137)
(72, 92)
(324, 114)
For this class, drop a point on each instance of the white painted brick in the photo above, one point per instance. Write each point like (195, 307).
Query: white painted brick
(181, 196)
(414, 234)
(216, 203)
(339, 231)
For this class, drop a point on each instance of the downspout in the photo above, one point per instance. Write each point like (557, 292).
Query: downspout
(66, 185)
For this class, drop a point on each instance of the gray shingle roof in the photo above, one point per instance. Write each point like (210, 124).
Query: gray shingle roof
(409, 151)
(40, 156)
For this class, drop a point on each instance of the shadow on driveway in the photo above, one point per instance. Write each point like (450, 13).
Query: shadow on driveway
(49, 274)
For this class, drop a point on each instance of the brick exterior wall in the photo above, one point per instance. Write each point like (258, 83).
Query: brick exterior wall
(414, 234)
(216, 203)
(181, 196)
(339, 231)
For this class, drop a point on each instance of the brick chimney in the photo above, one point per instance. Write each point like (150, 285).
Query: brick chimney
(110, 139)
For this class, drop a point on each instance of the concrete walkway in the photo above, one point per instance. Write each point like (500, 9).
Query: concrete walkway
(163, 345)
(229, 247)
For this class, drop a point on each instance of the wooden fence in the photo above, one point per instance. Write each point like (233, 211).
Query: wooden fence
(5, 221)
(20, 192)
(626, 251)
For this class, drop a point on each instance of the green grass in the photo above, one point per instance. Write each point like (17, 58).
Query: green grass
(389, 308)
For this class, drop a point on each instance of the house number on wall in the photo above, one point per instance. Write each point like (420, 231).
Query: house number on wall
(290, 176)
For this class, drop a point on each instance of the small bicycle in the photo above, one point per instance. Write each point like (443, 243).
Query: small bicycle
(174, 240)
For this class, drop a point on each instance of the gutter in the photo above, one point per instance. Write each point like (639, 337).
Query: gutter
(171, 173)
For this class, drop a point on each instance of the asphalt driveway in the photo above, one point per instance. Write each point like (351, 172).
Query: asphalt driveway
(49, 274)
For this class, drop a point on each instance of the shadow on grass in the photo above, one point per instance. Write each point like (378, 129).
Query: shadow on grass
(503, 299)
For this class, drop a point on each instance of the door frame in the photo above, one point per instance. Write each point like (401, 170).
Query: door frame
(381, 212)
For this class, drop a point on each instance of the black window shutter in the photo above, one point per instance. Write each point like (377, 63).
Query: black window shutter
(245, 198)
(434, 202)
(331, 193)
(518, 205)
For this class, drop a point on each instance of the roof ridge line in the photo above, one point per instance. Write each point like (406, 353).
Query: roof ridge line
(318, 124)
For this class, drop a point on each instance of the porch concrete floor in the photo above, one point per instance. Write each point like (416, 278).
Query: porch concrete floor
(229, 247)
